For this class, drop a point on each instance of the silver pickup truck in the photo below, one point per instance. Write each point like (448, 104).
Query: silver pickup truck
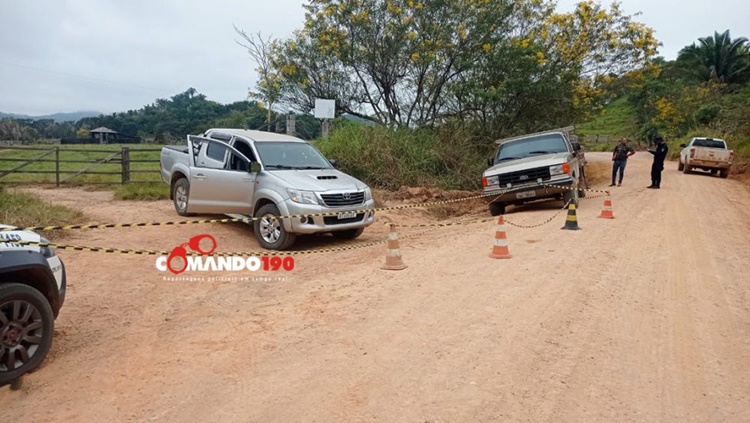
(244, 173)
(545, 165)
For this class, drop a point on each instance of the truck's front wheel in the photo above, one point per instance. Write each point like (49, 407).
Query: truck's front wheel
(571, 196)
(180, 192)
(724, 173)
(680, 166)
(27, 326)
(269, 229)
(496, 209)
(348, 233)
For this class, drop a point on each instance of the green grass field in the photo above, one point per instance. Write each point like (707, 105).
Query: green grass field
(617, 121)
(141, 170)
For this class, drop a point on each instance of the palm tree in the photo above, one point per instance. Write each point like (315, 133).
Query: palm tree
(717, 58)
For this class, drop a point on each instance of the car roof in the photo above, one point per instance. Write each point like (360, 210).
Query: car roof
(525, 137)
(564, 132)
(256, 135)
(708, 138)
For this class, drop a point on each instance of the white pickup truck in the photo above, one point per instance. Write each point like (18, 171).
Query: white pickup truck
(544, 165)
(711, 154)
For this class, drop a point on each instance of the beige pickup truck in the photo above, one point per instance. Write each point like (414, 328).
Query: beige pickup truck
(545, 165)
(711, 154)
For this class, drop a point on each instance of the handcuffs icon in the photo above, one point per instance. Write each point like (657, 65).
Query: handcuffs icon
(194, 244)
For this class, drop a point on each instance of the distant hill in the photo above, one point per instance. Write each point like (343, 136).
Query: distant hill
(57, 117)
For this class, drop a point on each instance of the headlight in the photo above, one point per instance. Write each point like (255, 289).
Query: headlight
(46, 250)
(559, 169)
(302, 197)
(368, 194)
(490, 180)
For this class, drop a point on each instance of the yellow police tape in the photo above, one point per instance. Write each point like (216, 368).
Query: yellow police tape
(252, 219)
(247, 219)
(217, 254)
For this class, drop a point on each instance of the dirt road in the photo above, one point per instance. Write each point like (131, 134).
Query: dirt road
(642, 318)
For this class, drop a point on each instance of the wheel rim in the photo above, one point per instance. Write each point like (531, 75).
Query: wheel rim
(180, 197)
(21, 333)
(270, 228)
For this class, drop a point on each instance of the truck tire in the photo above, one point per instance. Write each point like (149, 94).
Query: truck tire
(724, 173)
(496, 209)
(571, 195)
(23, 307)
(714, 171)
(180, 192)
(680, 166)
(687, 168)
(348, 233)
(269, 229)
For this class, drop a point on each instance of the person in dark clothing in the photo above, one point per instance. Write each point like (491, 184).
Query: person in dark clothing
(620, 158)
(660, 154)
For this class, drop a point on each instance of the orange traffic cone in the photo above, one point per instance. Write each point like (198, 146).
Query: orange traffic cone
(607, 210)
(393, 255)
(500, 246)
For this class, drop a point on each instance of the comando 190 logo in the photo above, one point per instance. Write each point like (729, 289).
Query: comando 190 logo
(179, 261)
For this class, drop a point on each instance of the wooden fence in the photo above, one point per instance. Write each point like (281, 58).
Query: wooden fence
(50, 156)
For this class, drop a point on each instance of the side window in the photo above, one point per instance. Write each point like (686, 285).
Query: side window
(216, 151)
(243, 147)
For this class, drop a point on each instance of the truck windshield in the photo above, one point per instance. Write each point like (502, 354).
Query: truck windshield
(708, 143)
(290, 155)
(543, 144)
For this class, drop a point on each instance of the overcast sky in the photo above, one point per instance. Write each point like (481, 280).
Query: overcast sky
(115, 55)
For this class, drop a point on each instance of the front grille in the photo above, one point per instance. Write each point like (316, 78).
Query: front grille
(524, 176)
(333, 220)
(335, 200)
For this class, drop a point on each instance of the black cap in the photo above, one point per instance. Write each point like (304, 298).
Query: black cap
(659, 139)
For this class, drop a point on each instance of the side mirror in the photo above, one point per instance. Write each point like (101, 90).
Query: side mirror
(491, 161)
(333, 162)
(255, 167)
(576, 146)
(683, 145)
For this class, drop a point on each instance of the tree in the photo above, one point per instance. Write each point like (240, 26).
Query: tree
(269, 81)
(402, 55)
(508, 64)
(717, 58)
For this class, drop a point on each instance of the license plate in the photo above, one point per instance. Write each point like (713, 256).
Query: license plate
(527, 194)
(347, 215)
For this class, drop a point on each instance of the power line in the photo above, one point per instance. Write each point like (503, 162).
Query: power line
(70, 75)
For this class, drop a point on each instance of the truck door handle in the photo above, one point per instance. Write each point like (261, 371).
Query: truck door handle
(247, 179)
(200, 176)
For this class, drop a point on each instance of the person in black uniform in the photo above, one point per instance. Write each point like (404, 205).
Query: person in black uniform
(660, 154)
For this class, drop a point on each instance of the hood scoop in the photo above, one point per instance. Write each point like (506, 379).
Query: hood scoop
(322, 177)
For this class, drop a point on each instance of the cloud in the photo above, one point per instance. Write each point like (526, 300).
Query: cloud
(113, 55)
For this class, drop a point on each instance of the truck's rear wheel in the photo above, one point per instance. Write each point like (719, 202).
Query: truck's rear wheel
(496, 209)
(687, 168)
(269, 229)
(180, 192)
(680, 166)
(724, 173)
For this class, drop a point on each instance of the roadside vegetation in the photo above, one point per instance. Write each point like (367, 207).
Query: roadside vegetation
(24, 209)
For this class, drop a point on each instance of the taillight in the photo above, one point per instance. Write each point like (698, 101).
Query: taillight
(566, 168)
(731, 156)
(484, 182)
(692, 153)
